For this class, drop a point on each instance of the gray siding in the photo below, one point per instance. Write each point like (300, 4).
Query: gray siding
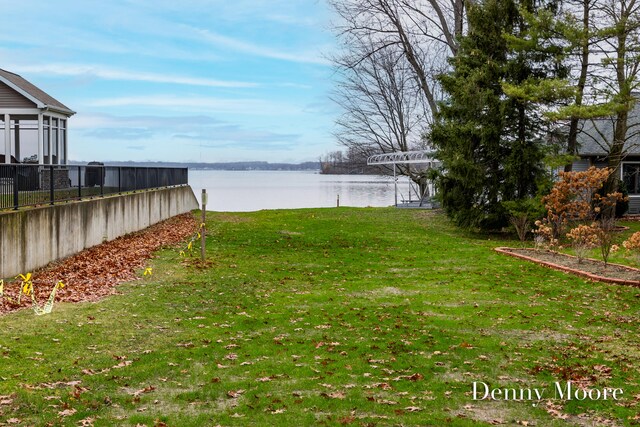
(601, 165)
(9, 98)
(634, 204)
(581, 165)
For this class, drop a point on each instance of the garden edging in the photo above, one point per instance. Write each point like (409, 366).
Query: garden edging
(595, 277)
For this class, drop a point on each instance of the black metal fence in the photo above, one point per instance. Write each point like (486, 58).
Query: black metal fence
(33, 185)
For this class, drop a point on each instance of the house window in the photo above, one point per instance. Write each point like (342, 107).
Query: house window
(631, 177)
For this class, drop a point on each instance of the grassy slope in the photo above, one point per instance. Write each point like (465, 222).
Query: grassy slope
(329, 316)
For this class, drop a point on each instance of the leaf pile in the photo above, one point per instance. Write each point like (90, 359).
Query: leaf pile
(93, 273)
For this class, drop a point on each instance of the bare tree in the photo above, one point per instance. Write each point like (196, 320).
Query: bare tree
(617, 77)
(393, 51)
(381, 107)
(424, 32)
(581, 38)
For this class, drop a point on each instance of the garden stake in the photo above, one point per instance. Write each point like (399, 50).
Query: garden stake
(203, 229)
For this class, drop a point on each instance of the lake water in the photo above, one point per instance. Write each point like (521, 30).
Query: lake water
(255, 190)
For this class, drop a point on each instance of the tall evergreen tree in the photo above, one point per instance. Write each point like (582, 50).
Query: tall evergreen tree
(536, 66)
(489, 143)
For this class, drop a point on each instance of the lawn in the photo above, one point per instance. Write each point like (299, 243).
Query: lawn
(363, 317)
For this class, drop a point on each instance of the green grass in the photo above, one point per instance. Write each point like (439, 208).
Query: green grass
(326, 317)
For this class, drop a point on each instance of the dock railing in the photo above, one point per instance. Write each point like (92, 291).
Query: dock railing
(33, 185)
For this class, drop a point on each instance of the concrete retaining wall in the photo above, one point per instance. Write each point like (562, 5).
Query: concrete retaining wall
(32, 238)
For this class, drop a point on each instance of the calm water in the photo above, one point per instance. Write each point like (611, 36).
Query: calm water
(255, 190)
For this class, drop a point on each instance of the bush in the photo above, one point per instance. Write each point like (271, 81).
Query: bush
(522, 213)
(632, 244)
(583, 238)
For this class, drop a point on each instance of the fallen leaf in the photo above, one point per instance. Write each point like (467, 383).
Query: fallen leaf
(87, 422)
(148, 389)
(94, 273)
(235, 394)
(67, 412)
(185, 344)
(122, 364)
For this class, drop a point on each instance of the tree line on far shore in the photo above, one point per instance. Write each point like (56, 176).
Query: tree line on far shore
(349, 162)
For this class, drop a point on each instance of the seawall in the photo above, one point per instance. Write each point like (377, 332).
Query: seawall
(32, 238)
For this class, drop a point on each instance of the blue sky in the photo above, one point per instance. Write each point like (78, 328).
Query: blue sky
(191, 80)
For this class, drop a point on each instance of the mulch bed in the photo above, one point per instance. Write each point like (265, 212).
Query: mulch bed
(588, 268)
(93, 273)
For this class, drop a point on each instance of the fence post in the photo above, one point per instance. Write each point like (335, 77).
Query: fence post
(51, 187)
(79, 182)
(119, 179)
(203, 227)
(16, 200)
(103, 173)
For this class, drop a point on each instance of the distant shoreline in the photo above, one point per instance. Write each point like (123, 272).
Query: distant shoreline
(222, 166)
(322, 168)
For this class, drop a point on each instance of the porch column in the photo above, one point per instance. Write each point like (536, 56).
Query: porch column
(40, 140)
(16, 139)
(7, 138)
(65, 132)
(50, 162)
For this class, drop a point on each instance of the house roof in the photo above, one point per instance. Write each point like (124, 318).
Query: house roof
(33, 93)
(594, 136)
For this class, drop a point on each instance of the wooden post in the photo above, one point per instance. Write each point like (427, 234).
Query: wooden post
(203, 227)
(338, 201)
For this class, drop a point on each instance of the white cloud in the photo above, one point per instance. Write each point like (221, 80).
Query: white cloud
(185, 131)
(92, 121)
(116, 74)
(201, 104)
(258, 50)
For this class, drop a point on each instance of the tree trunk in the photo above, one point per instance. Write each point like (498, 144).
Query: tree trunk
(616, 152)
(572, 143)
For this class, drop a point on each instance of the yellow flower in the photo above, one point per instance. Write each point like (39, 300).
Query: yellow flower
(190, 245)
(27, 288)
(24, 278)
(60, 284)
(148, 271)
